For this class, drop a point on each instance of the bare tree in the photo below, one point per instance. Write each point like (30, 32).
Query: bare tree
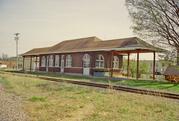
(156, 20)
(4, 56)
(168, 56)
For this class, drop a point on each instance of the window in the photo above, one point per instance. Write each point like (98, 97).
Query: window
(57, 58)
(43, 61)
(100, 61)
(115, 62)
(51, 61)
(68, 61)
(86, 61)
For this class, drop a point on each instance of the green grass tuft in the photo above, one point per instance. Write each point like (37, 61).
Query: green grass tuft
(37, 98)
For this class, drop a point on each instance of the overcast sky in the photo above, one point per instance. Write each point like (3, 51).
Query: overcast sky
(44, 23)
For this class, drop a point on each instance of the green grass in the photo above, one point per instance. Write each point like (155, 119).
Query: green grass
(37, 98)
(149, 84)
(146, 84)
(52, 101)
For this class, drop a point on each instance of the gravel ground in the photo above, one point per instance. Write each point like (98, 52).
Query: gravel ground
(1, 88)
(10, 107)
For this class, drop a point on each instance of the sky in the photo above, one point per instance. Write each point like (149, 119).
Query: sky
(43, 23)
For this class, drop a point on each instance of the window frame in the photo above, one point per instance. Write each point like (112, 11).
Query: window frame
(68, 63)
(57, 60)
(100, 61)
(43, 61)
(51, 61)
(115, 62)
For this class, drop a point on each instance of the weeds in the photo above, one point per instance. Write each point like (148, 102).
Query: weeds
(49, 101)
(37, 98)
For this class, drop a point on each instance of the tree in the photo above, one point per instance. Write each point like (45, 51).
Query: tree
(4, 56)
(169, 56)
(144, 67)
(156, 20)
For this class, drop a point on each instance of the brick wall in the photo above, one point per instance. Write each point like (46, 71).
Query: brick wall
(77, 62)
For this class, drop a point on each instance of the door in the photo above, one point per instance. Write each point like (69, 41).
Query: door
(86, 65)
(62, 64)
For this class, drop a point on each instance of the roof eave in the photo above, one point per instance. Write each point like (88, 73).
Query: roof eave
(93, 50)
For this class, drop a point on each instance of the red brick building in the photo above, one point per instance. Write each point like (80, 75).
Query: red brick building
(87, 56)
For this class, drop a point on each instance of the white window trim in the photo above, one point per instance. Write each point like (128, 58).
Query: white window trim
(51, 61)
(57, 60)
(100, 61)
(68, 63)
(115, 62)
(43, 61)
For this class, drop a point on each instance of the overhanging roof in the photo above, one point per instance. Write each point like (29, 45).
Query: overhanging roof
(36, 51)
(95, 44)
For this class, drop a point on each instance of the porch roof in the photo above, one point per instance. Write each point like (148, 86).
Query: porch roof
(95, 44)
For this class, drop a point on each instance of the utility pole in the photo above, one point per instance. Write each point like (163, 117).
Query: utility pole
(16, 38)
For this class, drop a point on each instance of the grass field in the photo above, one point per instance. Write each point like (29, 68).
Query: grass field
(52, 101)
(148, 84)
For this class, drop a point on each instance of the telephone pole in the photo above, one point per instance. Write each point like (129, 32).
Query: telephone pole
(16, 38)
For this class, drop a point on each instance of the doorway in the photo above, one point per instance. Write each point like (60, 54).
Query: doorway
(86, 65)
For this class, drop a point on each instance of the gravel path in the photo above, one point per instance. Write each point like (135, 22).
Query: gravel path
(10, 107)
(1, 88)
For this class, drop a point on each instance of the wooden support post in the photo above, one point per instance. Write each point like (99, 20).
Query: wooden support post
(111, 64)
(137, 73)
(23, 63)
(128, 59)
(153, 65)
(30, 63)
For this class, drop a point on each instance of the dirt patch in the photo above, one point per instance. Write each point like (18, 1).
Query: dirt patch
(10, 107)
(81, 114)
(1, 88)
